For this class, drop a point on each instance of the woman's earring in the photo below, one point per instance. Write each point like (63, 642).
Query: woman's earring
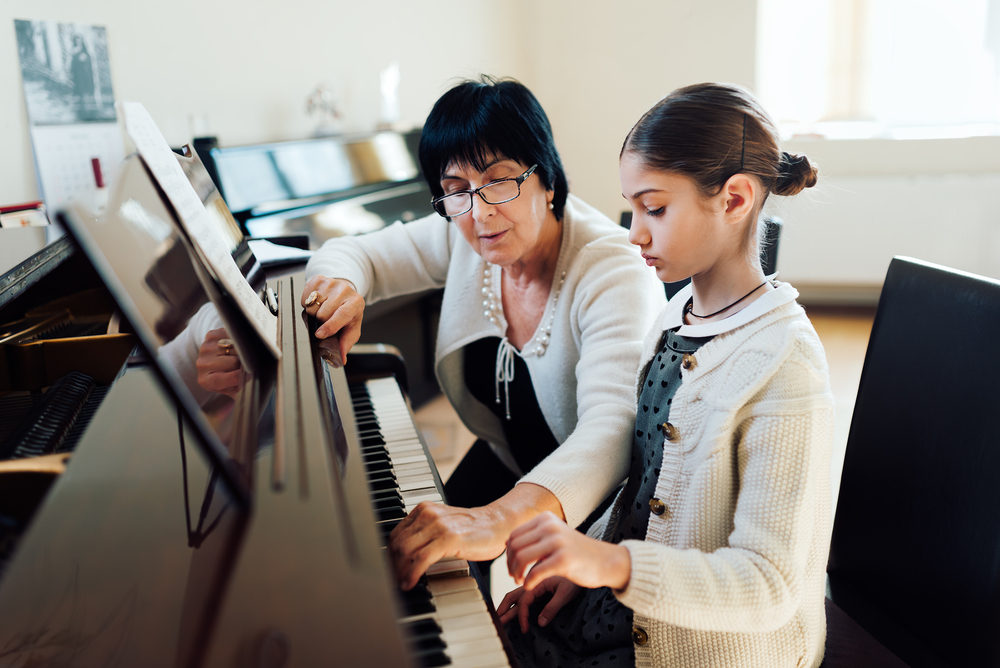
(551, 205)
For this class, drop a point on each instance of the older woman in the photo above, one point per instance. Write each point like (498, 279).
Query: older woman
(545, 304)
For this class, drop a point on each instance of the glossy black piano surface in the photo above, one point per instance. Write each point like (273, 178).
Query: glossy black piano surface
(199, 528)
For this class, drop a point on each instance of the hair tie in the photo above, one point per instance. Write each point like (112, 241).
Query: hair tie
(789, 162)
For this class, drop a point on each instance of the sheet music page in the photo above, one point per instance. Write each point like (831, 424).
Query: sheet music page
(206, 239)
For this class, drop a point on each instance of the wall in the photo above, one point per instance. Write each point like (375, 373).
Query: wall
(597, 66)
(247, 66)
(930, 199)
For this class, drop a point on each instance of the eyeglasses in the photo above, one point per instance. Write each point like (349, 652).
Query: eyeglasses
(494, 192)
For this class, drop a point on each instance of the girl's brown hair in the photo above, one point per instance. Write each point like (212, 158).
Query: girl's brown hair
(712, 131)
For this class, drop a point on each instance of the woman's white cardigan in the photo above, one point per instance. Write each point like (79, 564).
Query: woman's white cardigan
(732, 574)
(583, 380)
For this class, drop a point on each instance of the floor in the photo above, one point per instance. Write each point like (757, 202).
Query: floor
(843, 331)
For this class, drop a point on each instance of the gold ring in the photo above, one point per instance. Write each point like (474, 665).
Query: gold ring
(312, 299)
(226, 345)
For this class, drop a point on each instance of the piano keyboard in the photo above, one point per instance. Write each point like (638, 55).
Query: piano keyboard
(49, 425)
(445, 617)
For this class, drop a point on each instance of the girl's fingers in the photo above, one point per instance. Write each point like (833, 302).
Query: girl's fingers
(523, 608)
(505, 609)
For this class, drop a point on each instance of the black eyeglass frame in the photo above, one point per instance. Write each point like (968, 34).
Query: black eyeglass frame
(478, 191)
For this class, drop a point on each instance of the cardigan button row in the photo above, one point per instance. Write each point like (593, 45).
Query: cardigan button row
(689, 362)
(657, 507)
(639, 637)
(671, 432)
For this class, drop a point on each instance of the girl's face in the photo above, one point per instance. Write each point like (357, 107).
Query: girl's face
(680, 232)
(501, 233)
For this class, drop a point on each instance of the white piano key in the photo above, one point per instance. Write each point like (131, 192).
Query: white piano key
(477, 620)
(450, 567)
(411, 503)
(468, 629)
(495, 659)
(409, 459)
(473, 647)
(452, 585)
(475, 632)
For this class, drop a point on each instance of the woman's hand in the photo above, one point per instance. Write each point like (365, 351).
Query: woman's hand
(218, 366)
(517, 602)
(548, 547)
(433, 531)
(338, 307)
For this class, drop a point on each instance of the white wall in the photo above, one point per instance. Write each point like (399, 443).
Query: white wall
(597, 66)
(931, 199)
(248, 66)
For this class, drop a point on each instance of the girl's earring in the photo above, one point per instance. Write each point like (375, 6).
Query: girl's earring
(551, 206)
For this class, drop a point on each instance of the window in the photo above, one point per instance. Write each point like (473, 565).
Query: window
(881, 68)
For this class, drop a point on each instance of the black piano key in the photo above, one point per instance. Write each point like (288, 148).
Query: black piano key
(432, 659)
(422, 628)
(373, 457)
(390, 514)
(388, 503)
(387, 527)
(384, 494)
(374, 468)
(381, 483)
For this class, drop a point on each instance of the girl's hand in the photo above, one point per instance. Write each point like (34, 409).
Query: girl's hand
(338, 307)
(548, 547)
(517, 602)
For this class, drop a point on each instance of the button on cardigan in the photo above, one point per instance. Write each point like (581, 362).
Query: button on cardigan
(734, 573)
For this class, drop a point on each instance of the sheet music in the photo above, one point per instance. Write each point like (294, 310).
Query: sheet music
(206, 239)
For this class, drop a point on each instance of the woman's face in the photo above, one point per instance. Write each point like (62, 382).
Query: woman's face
(502, 234)
(680, 232)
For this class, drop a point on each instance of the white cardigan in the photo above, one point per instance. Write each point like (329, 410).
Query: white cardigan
(733, 572)
(583, 380)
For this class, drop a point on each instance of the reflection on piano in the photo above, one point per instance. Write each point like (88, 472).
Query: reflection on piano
(209, 530)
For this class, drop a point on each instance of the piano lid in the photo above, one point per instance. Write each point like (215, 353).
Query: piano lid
(178, 312)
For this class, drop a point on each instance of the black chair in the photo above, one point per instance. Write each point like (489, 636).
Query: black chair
(768, 255)
(915, 556)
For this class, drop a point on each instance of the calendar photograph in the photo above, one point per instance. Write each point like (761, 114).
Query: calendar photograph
(66, 72)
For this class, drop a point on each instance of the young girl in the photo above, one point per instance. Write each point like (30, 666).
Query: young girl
(715, 551)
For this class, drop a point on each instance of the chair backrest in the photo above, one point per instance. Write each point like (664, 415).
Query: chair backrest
(915, 556)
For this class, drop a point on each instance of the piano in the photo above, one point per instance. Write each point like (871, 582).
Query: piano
(308, 191)
(188, 527)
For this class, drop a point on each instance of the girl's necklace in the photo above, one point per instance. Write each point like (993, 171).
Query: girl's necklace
(688, 308)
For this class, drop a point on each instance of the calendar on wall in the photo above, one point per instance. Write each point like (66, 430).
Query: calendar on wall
(75, 138)
(64, 159)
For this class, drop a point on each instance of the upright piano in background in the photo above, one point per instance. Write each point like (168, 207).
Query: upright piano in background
(189, 527)
(319, 189)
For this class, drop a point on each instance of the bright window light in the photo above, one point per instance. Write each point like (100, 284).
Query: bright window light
(881, 68)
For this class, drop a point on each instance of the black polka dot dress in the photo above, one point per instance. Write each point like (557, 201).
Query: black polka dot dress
(595, 629)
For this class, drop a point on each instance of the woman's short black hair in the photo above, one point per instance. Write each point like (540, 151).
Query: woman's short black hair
(477, 121)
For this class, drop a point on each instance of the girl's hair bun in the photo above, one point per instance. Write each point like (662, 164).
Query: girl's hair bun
(795, 173)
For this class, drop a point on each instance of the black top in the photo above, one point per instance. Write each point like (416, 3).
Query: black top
(528, 435)
(661, 383)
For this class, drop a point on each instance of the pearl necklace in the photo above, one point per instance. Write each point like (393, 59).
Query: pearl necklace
(493, 312)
